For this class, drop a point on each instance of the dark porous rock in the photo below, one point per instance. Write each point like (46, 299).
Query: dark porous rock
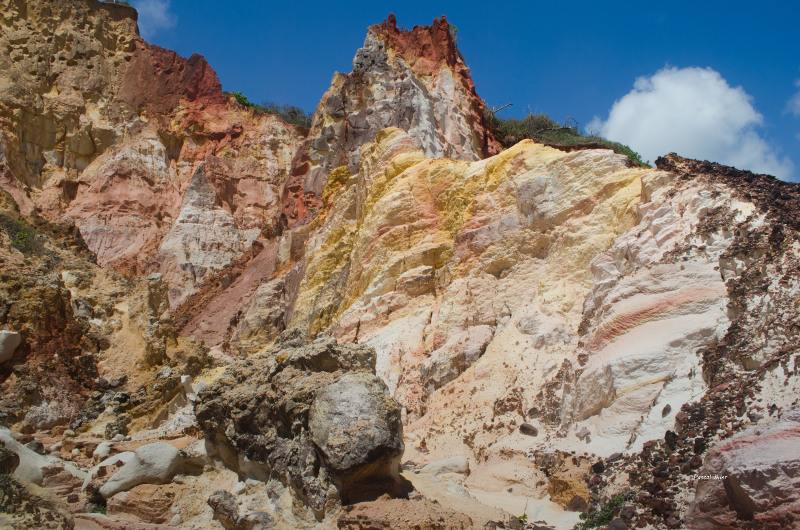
(313, 415)
(9, 460)
(528, 429)
(226, 510)
(26, 505)
(598, 467)
(576, 504)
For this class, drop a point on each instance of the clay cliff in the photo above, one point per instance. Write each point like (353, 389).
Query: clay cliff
(212, 318)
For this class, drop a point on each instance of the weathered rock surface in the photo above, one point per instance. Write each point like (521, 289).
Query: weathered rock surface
(26, 505)
(108, 132)
(751, 479)
(415, 80)
(314, 415)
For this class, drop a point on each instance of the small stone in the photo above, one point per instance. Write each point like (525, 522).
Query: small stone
(576, 504)
(627, 512)
(614, 457)
(118, 438)
(239, 488)
(583, 433)
(666, 410)
(73, 498)
(175, 510)
(69, 433)
(598, 467)
(699, 445)
(36, 446)
(673, 522)
(528, 429)
(176, 520)
(617, 524)
(76, 452)
(671, 439)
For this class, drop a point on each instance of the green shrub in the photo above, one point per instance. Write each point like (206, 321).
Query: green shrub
(541, 128)
(22, 237)
(602, 515)
(288, 113)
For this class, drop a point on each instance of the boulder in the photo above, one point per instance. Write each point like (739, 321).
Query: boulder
(356, 425)
(753, 476)
(31, 463)
(9, 340)
(151, 464)
(313, 415)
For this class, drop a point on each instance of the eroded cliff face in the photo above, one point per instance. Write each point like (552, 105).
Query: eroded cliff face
(415, 80)
(137, 145)
(522, 329)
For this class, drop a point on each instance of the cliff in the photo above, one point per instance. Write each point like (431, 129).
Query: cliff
(386, 303)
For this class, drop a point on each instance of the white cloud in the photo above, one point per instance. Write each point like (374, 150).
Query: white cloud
(695, 113)
(793, 105)
(154, 15)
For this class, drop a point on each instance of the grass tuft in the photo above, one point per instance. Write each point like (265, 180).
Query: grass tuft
(541, 128)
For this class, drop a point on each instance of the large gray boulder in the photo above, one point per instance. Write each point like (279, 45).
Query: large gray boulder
(357, 427)
(314, 415)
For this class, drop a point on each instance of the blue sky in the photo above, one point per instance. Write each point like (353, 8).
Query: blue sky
(711, 80)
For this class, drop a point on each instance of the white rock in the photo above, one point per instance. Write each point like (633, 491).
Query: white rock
(176, 520)
(102, 451)
(152, 464)
(239, 488)
(454, 464)
(9, 340)
(120, 458)
(31, 463)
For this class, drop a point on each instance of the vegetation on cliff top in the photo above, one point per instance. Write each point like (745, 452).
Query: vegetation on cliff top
(541, 128)
(288, 113)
